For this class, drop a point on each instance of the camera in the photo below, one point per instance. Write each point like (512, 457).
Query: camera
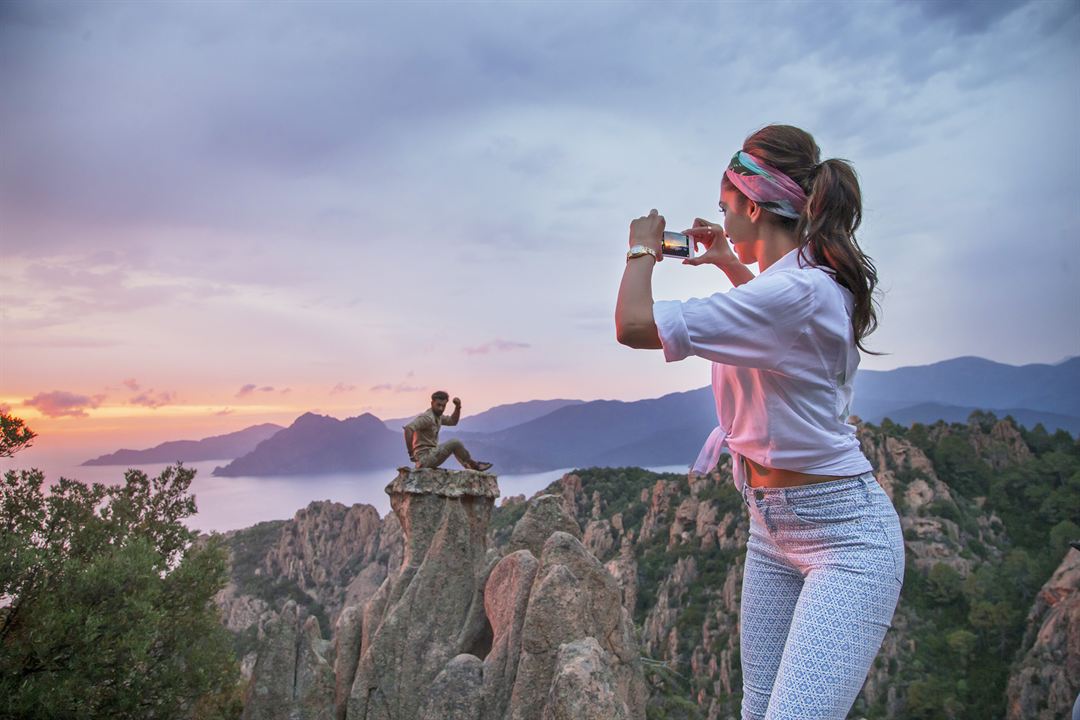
(677, 244)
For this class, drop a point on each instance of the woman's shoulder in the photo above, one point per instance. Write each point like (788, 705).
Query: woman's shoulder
(823, 280)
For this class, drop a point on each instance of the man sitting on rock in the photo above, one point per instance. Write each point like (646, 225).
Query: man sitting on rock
(422, 437)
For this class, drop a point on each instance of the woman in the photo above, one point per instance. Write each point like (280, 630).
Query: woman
(825, 556)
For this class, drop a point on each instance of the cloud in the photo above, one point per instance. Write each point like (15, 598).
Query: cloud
(341, 388)
(399, 388)
(495, 346)
(252, 388)
(153, 400)
(60, 403)
(226, 411)
(968, 16)
(131, 385)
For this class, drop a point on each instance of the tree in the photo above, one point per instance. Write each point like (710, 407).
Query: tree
(111, 611)
(14, 435)
(944, 584)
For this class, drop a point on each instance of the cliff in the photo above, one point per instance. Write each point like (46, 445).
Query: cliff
(1044, 684)
(456, 629)
(666, 556)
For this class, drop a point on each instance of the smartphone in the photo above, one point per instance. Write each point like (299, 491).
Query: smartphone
(676, 244)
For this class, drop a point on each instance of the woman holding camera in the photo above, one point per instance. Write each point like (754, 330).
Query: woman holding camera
(825, 556)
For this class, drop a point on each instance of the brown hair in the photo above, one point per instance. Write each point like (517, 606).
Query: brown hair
(832, 214)
(440, 395)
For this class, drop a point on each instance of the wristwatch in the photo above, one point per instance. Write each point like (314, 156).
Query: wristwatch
(639, 250)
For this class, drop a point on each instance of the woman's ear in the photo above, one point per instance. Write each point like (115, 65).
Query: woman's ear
(753, 210)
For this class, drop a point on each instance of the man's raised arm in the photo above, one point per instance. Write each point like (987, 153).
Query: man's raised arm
(453, 419)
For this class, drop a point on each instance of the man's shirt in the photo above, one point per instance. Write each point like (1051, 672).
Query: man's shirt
(425, 427)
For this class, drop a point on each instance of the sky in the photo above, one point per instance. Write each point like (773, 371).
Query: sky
(219, 214)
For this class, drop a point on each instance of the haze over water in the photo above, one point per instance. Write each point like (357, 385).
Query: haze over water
(230, 503)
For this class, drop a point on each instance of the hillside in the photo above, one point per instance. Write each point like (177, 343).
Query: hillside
(987, 508)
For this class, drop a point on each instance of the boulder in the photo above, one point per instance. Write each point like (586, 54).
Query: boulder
(546, 514)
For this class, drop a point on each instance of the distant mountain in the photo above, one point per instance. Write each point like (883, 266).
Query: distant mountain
(320, 444)
(497, 418)
(218, 447)
(671, 429)
(974, 382)
(662, 431)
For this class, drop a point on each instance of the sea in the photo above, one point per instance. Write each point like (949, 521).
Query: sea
(231, 503)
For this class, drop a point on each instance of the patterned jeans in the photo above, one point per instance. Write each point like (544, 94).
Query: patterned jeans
(824, 568)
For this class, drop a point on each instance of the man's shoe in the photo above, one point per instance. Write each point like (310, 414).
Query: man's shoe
(481, 466)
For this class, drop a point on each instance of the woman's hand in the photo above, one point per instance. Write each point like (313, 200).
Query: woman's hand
(711, 236)
(648, 230)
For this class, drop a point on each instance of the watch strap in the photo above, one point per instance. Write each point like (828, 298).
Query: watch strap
(639, 251)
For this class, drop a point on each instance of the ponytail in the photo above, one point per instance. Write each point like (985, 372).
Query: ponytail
(833, 211)
(827, 228)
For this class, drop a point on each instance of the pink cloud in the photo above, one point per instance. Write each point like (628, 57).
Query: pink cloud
(226, 411)
(252, 387)
(495, 346)
(341, 388)
(154, 400)
(60, 403)
(131, 384)
(399, 388)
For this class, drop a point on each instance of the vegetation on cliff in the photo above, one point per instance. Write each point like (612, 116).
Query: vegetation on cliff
(109, 609)
(1011, 508)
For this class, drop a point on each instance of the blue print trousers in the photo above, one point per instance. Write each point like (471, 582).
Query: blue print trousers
(824, 568)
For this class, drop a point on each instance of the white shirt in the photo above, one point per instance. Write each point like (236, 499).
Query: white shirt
(784, 360)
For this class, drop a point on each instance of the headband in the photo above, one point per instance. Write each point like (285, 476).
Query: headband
(766, 185)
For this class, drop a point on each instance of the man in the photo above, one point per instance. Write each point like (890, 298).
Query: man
(422, 437)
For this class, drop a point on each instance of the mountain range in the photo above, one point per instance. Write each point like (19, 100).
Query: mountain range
(542, 435)
(218, 447)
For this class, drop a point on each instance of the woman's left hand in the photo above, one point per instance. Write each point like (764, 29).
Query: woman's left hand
(648, 230)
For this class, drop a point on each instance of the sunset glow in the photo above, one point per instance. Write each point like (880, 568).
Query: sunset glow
(198, 234)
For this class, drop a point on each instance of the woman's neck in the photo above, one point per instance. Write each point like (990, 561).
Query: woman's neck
(773, 243)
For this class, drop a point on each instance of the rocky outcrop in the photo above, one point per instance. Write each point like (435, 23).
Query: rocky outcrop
(430, 610)
(545, 515)
(458, 632)
(929, 511)
(293, 678)
(335, 555)
(1046, 681)
(325, 544)
(572, 599)
(998, 442)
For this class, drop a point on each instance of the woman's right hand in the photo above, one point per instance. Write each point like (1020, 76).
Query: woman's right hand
(711, 236)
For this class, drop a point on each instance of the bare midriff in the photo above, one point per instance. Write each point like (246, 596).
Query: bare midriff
(761, 476)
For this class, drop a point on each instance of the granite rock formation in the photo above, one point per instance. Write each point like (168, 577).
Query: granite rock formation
(1047, 680)
(293, 678)
(431, 609)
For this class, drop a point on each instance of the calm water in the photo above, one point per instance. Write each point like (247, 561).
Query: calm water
(229, 503)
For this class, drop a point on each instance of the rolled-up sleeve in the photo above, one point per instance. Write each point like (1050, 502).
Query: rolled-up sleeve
(752, 325)
(670, 326)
